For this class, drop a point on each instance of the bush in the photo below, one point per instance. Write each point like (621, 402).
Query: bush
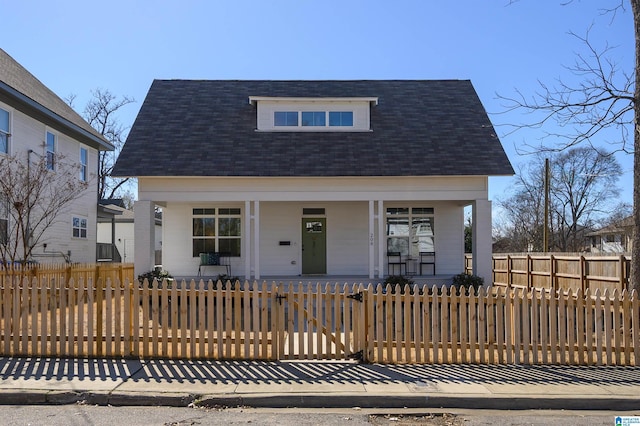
(158, 274)
(223, 278)
(467, 282)
(398, 282)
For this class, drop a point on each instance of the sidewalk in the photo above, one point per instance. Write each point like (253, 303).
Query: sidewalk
(315, 384)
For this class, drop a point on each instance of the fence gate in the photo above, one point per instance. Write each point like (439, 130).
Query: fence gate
(320, 321)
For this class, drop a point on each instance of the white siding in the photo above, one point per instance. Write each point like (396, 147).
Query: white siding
(29, 134)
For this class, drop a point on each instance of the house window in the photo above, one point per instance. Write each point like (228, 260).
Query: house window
(51, 151)
(410, 230)
(217, 230)
(4, 131)
(4, 219)
(83, 164)
(79, 227)
(314, 118)
(341, 118)
(285, 118)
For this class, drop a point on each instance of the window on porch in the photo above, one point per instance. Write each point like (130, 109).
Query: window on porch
(217, 230)
(410, 230)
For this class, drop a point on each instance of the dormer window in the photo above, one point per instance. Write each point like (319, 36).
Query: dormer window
(313, 114)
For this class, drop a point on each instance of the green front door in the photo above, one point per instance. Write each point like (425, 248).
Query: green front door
(314, 246)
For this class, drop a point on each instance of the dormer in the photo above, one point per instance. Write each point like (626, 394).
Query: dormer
(287, 114)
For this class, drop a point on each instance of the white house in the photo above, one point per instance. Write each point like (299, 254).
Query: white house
(118, 232)
(35, 123)
(293, 178)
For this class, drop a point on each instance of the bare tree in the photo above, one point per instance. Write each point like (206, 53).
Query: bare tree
(606, 98)
(100, 112)
(31, 200)
(582, 185)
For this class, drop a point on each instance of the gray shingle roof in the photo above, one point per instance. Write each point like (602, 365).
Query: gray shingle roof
(207, 128)
(20, 89)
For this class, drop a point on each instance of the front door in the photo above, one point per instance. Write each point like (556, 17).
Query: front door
(314, 246)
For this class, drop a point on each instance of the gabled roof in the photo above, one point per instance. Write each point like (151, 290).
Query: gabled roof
(208, 128)
(622, 226)
(20, 89)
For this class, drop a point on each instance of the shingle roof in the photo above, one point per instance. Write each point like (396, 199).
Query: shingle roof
(207, 128)
(20, 89)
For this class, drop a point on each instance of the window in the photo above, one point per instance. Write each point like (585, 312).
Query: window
(410, 230)
(217, 230)
(4, 131)
(83, 164)
(285, 118)
(79, 227)
(51, 151)
(314, 118)
(4, 219)
(338, 118)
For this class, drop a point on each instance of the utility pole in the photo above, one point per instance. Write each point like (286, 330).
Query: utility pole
(545, 232)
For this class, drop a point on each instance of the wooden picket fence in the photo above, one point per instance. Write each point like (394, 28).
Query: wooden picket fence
(65, 272)
(279, 321)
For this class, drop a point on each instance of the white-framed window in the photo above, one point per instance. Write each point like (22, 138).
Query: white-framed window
(84, 164)
(313, 119)
(217, 230)
(79, 227)
(341, 118)
(285, 118)
(410, 230)
(4, 131)
(4, 219)
(51, 143)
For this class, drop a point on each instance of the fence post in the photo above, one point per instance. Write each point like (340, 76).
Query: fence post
(529, 267)
(622, 269)
(98, 284)
(552, 273)
(583, 274)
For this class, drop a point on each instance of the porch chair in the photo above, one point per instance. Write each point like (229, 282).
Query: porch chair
(394, 258)
(213, 259)
(428, 258)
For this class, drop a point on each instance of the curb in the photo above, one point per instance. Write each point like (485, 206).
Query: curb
(298, 400)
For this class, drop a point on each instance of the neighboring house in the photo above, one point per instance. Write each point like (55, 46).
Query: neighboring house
(116, 240)
(313, 177)
(614, 238)
(34, 123)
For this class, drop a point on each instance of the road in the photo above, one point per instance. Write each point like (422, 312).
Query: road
(66, 415)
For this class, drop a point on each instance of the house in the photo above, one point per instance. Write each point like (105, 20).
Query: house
(116, 240)
(313, 178)
(614, 238)
(35, 124)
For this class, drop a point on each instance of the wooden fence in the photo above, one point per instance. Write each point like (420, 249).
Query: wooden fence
(303, 321)
(62, 272)
(559, 271)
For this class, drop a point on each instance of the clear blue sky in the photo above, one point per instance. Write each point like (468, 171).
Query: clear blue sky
(74, 47)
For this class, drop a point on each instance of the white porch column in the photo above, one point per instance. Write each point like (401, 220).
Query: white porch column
(482, 241)
(382, 240)
(372, 239)
(246, 247)
(144, 234)
(256, 239)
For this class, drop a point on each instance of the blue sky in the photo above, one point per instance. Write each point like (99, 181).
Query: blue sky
(74, 47)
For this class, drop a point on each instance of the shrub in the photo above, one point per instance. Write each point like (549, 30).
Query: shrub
(223, 278)
(467, 282)
(398, 282)
(158, 274)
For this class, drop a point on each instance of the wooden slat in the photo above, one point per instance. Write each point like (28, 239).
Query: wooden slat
(562, 326)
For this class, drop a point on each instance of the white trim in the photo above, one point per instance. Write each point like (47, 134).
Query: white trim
(382, 240)
(256, 236)
(255, 99)
(372, 238)
(246, 229)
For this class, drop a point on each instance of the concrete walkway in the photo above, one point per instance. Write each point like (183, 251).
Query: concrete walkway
(315, 384)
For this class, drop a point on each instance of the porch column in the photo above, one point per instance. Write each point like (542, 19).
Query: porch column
(144, 234)
(372, 239)
(246, 246)
(256, 239)
(482, 242)
(382, 240)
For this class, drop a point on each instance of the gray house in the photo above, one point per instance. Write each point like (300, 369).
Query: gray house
(330, 178)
